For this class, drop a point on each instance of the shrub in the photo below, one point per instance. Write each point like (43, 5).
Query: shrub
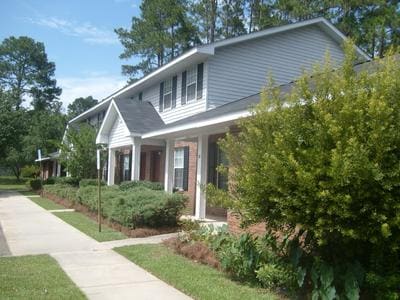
(91, 182)
(273, 276)
(128, 185)
(50, 180)
(72, 181)
(64, 191)
(31, 171)
(135, 207)
(35, 184)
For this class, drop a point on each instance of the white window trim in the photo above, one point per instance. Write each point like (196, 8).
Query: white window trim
(183, 166)
(193, 82)
(164, 94)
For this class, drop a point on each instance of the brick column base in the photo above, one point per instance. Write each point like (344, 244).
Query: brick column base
(234, 226)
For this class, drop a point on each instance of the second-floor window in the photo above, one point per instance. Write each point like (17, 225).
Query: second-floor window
(191, 80)
(167, 97)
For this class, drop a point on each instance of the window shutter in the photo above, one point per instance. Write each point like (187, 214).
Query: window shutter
(183, 89)
(161, 102)
(174, 87)
(185, 168)
(130, 165)
(140, 96)
(200, 68)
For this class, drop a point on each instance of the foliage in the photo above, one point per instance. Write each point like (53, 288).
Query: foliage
(127, 185)
(72, 181)
(26, 73)
(50, 180)
(325, 157)
(63, 191)
(158, 35)
(78, 151)
(136, 207)
(35, 184)
(90, 182)
(80, 105)
(30, 171)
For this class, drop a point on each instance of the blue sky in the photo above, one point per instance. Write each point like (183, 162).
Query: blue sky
(79, 37)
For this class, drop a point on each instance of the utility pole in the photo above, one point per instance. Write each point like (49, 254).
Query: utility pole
(98, 190)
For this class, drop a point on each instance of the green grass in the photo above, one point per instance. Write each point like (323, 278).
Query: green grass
(46, 203)
(90, 227)
(196, 280)
(35, 277)
(11, 183)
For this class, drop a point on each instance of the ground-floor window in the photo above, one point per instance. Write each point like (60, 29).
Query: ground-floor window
(126, 174)
(181, 163)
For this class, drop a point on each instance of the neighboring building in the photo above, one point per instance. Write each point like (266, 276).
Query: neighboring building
(50, 166)
(165, 126)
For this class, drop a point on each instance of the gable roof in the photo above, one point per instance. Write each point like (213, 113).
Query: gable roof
(139, 117)
(199, 53)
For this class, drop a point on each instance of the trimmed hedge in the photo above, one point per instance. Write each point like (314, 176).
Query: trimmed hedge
(64, 191)
(128, 185)
(90, 182)
(135, 207)
(67, 181)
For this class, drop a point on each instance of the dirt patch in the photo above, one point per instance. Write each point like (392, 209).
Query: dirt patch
(134, 233)
(196, 251)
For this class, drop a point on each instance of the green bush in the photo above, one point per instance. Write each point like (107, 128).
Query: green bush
(90, 182)
(35, 184)
(135, 207)
(273, 276)
(64, 191)
(128, 185)
(72, 181)
(31, 171)
(50, 180)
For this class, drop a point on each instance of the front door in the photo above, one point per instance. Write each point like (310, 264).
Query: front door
(155, 166)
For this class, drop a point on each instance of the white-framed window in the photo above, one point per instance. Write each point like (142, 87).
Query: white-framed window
(179, 165)
(167, 94)
(191, 84)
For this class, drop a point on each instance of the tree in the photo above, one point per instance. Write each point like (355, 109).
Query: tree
(80, 105)
(205, 14)
(325, 159)
(78, 151)
(162, 32)
(232, 18)
(26, 73)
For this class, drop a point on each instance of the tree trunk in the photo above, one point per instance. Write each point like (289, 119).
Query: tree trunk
(213, 16)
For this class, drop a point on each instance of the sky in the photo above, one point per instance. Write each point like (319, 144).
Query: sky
(79, 38)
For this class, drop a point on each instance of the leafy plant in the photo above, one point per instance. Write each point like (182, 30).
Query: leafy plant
(127, 185)
(35, 184)
(30, 171)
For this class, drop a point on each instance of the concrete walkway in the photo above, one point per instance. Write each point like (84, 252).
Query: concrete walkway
(97, 270)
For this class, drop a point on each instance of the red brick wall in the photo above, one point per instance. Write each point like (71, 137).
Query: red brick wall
(234, 226)
(191, 192)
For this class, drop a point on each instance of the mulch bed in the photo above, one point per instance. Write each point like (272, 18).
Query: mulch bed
(196, 251)
(134, 233)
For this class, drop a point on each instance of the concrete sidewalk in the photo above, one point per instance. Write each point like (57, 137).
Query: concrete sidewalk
(97, 270)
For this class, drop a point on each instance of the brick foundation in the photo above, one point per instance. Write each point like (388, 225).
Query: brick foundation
(234, 226)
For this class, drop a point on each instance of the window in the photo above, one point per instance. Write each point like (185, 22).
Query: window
(217, 158)
(126, 168)
(179, 164)
(167, 96)
(140, 97)
(191, 84)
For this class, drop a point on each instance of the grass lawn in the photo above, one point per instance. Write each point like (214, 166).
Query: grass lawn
(196, 280)
(90, 227)
(11, 183)
(35, 277)
(45, 203)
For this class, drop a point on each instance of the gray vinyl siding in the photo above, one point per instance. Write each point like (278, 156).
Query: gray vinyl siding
(242, 69)
(152, 95)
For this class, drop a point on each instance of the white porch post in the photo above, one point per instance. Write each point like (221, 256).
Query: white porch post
(201, 176)
(135, 168)
(110, 167)
(169, 166)
(58, 169)
(54, 171)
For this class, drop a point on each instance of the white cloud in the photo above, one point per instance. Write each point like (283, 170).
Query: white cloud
(97, 86)
(86, 31)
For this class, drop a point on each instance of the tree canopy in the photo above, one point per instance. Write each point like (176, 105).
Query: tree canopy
(26, 73)
(80, 105)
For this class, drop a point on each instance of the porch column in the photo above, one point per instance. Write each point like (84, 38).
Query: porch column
(201, 176)
(58, 169)
(110, 167)
(135, 168)
(169, 166)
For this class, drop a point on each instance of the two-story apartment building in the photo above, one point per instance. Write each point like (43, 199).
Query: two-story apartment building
(165, 126)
